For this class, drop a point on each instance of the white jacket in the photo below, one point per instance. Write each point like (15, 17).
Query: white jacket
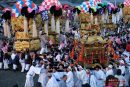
(82, 76)
(109, 72)
(70, 79)
(52, 82)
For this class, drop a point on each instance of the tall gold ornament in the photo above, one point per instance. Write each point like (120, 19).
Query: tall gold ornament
(52, 23)
(46, 27)
(8, 30)
(35, 33)
(58, 26)
(25, 25)
(67, 25)
(5, 28)
(91, 18)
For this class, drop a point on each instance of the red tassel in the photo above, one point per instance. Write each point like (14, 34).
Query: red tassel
(81, 54)
(72, 53)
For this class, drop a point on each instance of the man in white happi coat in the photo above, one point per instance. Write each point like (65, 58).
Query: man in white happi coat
(100, 76)
(52, 81)
(109, 70)
(43, 78)
(126, 56)
(122, 67)
(29, 77)
(92, 78)
(57, 75)
(70, 79)
(81, 74)
(77, 82)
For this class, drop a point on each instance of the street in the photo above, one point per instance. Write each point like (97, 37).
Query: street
(10, 78)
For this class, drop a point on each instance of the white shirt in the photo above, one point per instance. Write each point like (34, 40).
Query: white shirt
(58, 57)
(82, 76)
(31, 72)
(121, 79)
(57, 75)
(52, 82)
(13, 56)
(109, 72)
(70, 79)
(122, 68)
(93, 82)
(100, 76)
(127, 60)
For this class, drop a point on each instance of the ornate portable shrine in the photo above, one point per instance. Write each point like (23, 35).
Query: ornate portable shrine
(94, 51)
(93, 45)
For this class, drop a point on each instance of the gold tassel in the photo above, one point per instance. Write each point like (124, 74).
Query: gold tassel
(103, 18)
(5, 28)
(91, 18)
(34, 33)
(25, 25)
(58, 26)
(113, 18)
(121, 12)
(52, 23)
(67, 25)
(46, 27)
(117, 17)
(8, 30)
(106, 17)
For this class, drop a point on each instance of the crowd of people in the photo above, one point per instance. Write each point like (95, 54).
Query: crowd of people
(56, 68)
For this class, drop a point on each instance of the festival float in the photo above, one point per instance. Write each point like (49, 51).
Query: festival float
(92, 47)
(25, 24)
(92, 44)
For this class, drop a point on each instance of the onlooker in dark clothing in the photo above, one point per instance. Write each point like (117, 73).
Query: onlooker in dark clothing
(28, 60)
(1, 58)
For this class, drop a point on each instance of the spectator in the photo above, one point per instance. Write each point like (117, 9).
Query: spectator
(62, 83)
(1, 58)
(120, 78)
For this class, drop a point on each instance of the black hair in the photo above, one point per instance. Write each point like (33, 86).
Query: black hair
(34, 64)
(64, 76)
(108, 79)
(97, 66)
(118, 72)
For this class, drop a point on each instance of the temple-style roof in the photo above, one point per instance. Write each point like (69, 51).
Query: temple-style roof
(95, 39)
